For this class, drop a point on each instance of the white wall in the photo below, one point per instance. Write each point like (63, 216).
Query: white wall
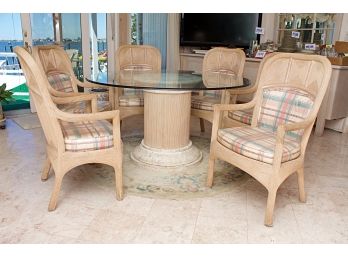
(269, 24)
(343, 36)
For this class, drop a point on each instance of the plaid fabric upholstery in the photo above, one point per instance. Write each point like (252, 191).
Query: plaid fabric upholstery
(204, 102)
(257, 144)
(87, 135)
(76, 107)
(60, 81)
(244, 116)
(131, 100)
(281, 105)
(103, 106)
(101, 96)
(80, 107)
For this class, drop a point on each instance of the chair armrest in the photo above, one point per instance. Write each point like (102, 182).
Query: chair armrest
(64, 94)
(72, 117)
(282, 129)
(78, 98)
(243, 91)
(233, 107)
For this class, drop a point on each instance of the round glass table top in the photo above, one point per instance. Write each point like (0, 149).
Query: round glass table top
(182, 80)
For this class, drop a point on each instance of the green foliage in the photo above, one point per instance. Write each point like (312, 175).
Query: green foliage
(5, 95)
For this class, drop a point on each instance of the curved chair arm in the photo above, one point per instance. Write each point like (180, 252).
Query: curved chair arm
(73, 117)
(244, 90)
(282, 129)
(233, 107)
(78, 98)
(218, 108)
(63, 94)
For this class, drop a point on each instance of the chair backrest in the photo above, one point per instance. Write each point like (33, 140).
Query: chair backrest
(57, 66)
(38, 86)
(137, 57)
(223, 66)
(290, 88)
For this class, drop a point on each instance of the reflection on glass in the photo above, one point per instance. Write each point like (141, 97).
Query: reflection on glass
(42, 28)
(99, 55)
(71, 36)
(10, 72)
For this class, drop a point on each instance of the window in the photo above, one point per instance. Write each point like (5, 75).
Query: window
(42, 28)
(98, 45)
(150, 29)
(10, 72)
(71, 36)
(317, 28)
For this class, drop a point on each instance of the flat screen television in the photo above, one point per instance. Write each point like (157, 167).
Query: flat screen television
(219, 29)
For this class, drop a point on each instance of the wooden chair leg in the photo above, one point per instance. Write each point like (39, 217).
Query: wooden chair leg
(211, 170)
(201, 122)
(53, 201)
(300, 179)
(46, 170)
(119, 181)
(270, 207)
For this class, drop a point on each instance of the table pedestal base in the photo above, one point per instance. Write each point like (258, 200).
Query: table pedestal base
(169, 158)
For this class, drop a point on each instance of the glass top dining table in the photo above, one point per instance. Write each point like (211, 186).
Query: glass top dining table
(167, 111)
(181, 80)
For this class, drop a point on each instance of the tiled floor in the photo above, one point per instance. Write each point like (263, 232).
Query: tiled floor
(88, 213)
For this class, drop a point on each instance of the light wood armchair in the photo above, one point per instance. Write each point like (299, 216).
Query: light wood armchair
(134, 57)
(72, 139)
(290, 91)
(220, 65)
(57, 67)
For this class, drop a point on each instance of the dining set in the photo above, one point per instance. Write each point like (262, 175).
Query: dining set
(266, 137)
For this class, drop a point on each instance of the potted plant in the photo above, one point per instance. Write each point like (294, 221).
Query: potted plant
(5, 95)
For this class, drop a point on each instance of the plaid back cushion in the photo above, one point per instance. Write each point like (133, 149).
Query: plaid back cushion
(284, 105)
(60, 81)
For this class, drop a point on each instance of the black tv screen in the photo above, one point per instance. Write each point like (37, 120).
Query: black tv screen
(219, 29)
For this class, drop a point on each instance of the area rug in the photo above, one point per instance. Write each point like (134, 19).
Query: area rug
(27, 121)
(178, 183)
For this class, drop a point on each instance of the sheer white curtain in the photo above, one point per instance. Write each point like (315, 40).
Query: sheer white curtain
(162, 31)
(173, 39)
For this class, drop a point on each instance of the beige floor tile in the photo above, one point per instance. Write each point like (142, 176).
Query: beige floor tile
(169, 221)
(222, 220)
(285, 228)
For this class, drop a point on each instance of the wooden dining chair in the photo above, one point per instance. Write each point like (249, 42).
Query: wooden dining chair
(134, 57)
(57, 67)
(72, 139)
(290, 90)
(220, 66)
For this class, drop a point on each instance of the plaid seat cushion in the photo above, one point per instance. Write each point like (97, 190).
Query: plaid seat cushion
(281, 105)
(131, 100)
(257, 144)
(204, 102)
(244, 116)
(60, 81)
(80, 107)
(87, 135)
